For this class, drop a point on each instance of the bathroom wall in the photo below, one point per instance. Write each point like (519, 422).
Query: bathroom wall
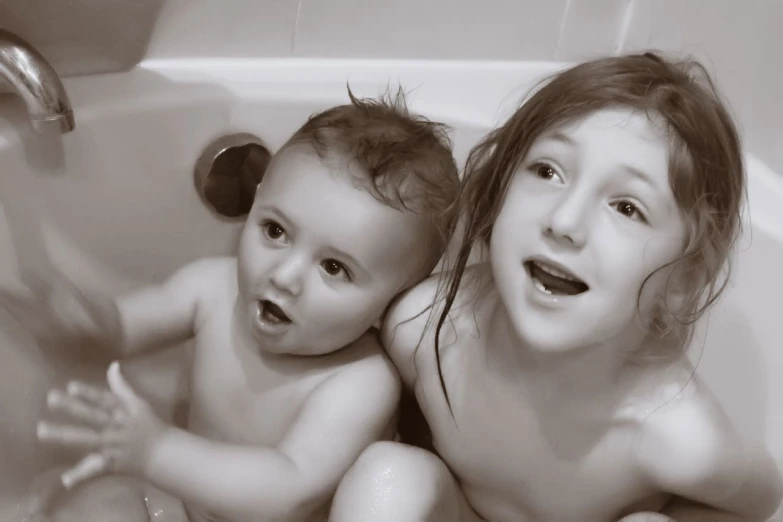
(737, 40)
(741, 42)
(83, 37)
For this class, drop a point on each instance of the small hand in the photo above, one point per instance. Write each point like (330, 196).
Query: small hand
(123, 428)
(55, 311)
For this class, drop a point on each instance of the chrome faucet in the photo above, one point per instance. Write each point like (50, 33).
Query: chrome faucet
(35, 81)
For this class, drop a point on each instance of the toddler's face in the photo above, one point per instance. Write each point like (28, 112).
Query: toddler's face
(320, 258)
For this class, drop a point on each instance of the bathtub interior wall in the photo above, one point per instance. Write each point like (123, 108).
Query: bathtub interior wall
(113, 204)
(106, 204)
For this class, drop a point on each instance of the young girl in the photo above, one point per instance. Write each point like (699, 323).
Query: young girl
(553, 375)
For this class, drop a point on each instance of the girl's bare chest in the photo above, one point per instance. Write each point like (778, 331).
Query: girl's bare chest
(551, 465)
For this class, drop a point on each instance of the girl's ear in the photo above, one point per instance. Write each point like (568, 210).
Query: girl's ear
(685, 286)
(675, 298)
(676, 302)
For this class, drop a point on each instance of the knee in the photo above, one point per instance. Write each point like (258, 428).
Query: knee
(398, 460)
(390, 481)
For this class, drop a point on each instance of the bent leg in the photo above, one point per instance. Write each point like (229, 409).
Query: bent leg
(392, 482)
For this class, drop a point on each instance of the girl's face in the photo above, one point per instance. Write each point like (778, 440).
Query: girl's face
(588, 216)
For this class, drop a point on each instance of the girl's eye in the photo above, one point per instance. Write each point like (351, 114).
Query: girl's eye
(629, 210)
(273, 230)
(335, 268)
(544, 171)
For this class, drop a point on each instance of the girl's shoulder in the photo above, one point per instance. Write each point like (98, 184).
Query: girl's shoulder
(409, 328)
(683, 433)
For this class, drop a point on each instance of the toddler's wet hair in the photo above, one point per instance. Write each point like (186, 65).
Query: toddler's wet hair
(406, 160)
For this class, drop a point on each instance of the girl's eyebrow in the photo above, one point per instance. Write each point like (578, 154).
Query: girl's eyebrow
(563, 138)
(639, 174)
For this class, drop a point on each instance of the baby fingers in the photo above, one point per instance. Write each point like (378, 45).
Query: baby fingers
(78, 408)
(100, 397)
(90, 466)
(75, 436)
(120, 386)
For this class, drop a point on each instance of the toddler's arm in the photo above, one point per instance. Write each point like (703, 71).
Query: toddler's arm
(341, 418)
(159, 316)
(347, 412)
(56, 310)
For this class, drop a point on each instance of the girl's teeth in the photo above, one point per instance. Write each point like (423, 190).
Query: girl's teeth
(555, 272)
(541, 286)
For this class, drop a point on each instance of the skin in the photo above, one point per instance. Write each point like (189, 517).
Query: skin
(551, 418)
(277, 415)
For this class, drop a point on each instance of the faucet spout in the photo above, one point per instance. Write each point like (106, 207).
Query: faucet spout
(34, 80)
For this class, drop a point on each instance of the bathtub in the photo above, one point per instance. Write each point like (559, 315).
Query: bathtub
(114, 203)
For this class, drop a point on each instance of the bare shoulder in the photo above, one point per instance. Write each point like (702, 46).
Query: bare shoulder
(405, 324)
(688, 447)
(413, 319)
(207, 279)
(207, 272)
(365, 358)
(364, 374)
(687, 441)
(173, 310)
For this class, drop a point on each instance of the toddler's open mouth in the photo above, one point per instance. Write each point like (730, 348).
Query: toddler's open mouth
(553, 280)
(273, 314)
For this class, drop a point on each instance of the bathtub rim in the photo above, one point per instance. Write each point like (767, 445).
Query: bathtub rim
(765, 186)
(505, 83)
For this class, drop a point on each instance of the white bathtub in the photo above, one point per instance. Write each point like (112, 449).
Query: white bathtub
(114, 202)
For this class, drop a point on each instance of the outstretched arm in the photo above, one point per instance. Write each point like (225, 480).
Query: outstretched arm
(344, 415)
(162, 315)
(57, 311)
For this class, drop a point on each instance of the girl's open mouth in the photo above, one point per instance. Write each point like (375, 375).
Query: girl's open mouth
(553, 281)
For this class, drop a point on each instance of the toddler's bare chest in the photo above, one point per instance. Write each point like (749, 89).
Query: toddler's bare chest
(235, 397)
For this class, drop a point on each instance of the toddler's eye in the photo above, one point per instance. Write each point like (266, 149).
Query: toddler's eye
(334, 268)
(273, 230)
